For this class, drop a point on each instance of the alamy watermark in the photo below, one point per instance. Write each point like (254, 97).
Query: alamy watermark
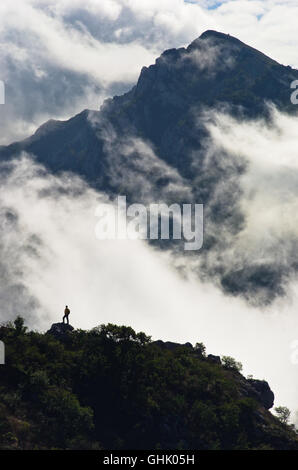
(155, 222)
(2, 353)
(294, 95)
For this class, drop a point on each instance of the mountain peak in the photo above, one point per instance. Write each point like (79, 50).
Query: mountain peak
(212, 33)
(215, 37)
(231, 45)
(165, 111)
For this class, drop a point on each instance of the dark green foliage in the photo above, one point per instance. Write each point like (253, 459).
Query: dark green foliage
(283, 413)
(200, 348)
(230, 363)
(111, 388)
(19, 326)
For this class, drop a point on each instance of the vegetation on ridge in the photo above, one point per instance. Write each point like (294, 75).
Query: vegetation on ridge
(112, 388)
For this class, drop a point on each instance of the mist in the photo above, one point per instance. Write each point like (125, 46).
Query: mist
(51, 257)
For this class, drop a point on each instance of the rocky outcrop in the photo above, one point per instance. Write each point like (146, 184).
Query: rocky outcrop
(262, 392)
(171, 345)
(215, 359)
(60, 330)
(259, 390)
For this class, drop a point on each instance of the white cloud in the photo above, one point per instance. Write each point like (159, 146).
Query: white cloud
(70, 47)
(59, 56)
(109, 9)
(49, 247)
(258, 257)
(270, 185)
(83, 48)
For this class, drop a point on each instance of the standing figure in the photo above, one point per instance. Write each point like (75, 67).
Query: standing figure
(66, 314)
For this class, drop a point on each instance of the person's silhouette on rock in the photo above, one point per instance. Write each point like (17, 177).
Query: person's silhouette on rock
(66, 314)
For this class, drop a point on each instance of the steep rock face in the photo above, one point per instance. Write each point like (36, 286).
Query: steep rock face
(151, 144)
(213, 70)
(164, 109)
(257, 389)
(263, 392)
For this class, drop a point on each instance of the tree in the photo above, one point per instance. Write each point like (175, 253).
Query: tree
(230, 363)
(283, 414)
(19, 325)
(201, 349)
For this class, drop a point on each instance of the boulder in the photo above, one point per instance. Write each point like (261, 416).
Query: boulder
(60, 330)
(215, 359)
(263, 392)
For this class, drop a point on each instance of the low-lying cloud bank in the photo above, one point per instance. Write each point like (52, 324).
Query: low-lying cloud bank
(246, 171)
(257, 257)
(50, 257)
(58, 57)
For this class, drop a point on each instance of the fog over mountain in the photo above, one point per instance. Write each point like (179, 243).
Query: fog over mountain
(164, 141)
(209, 123)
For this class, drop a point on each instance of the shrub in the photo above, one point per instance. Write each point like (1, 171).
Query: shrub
(230, 363)
(283, 414)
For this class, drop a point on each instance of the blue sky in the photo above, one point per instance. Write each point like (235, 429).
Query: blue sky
(209, 4)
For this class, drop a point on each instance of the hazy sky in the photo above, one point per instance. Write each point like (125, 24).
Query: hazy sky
(61, 56)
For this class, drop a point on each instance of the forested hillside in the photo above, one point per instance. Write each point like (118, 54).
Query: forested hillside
(113, 388)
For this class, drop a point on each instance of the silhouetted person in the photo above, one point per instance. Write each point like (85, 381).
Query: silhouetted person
(66, 314)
